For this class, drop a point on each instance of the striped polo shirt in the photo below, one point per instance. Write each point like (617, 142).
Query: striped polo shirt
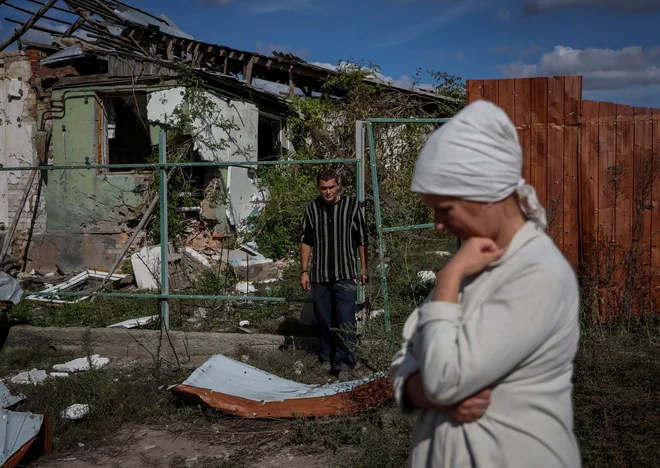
(334, 232)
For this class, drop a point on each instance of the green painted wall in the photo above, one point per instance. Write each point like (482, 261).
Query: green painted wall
(84, 201)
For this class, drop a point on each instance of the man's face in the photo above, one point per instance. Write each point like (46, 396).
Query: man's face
(329, 190)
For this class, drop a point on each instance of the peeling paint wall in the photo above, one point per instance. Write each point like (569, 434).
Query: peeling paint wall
(87, 210)
(18, 143)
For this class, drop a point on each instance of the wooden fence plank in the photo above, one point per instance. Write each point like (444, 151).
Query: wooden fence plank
(554, 202)
(539, 140)
(589, 182)
(573, 100)
(606, 202)
(572, 119)
(655, 215)
(523, 119)
(490, 90)
(623, 208)
(474, 90)
(505, 97)
(643, 174)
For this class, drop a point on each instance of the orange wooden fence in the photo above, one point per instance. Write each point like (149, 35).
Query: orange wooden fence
(593, 165)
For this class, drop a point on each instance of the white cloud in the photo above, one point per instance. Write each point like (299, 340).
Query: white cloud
(602, 69)
(541, 6)
(278, 6)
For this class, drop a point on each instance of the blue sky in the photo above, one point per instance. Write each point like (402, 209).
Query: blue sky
(614, 44)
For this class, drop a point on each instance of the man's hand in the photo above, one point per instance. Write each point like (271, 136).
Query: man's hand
(304, 281)
(364, 277)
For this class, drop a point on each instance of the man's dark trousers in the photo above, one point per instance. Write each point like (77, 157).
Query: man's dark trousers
(334, 307)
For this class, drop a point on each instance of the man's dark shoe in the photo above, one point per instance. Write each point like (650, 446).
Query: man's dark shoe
(326, 366)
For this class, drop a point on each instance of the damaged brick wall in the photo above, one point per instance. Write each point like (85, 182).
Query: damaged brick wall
(18, 144)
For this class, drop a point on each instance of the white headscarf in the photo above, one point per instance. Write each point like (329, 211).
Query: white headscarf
(476, 156)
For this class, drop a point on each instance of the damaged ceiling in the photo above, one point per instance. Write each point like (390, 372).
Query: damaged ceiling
(123, 34)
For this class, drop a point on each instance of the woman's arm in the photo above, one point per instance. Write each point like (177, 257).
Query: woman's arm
(460, 357)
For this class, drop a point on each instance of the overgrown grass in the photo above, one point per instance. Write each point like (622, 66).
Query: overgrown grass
(116, 396)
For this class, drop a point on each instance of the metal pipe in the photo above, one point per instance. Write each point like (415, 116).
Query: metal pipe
(167, 296)
(181, 164)
(379, 224)
(164, 274)
(406, 228)
(403, 120)
(359, 189)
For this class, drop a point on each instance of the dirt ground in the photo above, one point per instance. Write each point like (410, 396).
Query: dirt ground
(142, 446)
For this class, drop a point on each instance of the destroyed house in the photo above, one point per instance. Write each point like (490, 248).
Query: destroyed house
(98, 89)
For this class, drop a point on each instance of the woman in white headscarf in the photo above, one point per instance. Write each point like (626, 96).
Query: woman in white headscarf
(487, 360)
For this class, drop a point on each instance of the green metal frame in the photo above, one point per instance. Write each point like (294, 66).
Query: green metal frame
(163, 165)
(380, 229)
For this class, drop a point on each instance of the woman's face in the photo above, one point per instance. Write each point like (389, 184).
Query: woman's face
(461, 218)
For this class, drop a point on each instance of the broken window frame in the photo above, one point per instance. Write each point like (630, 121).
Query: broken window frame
(101, 123)
(282, 134)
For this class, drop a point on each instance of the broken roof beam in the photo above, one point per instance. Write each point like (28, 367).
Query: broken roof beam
(36, 28)
(95, 7)
(75, 26)
(49, 18)
(27, 25)
(56, 8)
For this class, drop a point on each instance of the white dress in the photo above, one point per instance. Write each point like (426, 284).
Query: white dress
(515, 330)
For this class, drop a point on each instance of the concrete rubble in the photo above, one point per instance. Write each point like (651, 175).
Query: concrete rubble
(184, 266)
(33, 377)
(426, 276)
(75, 411)
(135, 323)
(83, 364)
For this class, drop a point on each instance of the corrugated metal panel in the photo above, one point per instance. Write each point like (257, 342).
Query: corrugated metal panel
(64, 54)
(7, 399)
(224, 375)
(138, 17)
(16, 430)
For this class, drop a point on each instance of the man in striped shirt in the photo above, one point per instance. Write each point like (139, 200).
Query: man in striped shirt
(333, 228)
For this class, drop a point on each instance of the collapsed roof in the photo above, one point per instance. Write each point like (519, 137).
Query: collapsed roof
(124, 34)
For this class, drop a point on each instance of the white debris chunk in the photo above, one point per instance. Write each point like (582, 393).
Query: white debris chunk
(298, 367)
(244, 323)
(426, 276)
(245, 288)
(58, 374)
(198, 256)
(76, 411)
(34, 377)
(377, 313)
(82, 364)
(135, 323)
